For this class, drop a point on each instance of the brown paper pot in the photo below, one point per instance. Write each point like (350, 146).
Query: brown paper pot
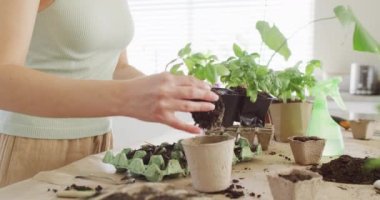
(283, 189)
(307, 152)
(209, 160)
(248, 133)
(264, 136)
(362, 129)
(290, 119)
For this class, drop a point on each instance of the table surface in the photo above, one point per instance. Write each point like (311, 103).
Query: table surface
(251, 175)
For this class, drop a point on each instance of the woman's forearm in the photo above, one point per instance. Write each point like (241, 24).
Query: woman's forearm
(126, 71)
(31, 92)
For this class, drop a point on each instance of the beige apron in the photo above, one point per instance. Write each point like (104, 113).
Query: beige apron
(22, 158)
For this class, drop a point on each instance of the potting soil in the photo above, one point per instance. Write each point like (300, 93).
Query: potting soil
(347, 169)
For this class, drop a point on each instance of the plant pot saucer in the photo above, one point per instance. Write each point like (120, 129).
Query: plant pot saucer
(307, 150)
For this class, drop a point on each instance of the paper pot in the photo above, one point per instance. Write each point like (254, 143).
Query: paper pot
(209, 160)
(264, 136)
(290, 119)
(248, 133)
(284, 189)
(307, 150)
(362, 129)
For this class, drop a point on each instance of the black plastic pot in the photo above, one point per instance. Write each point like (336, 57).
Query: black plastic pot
(232, 101)
(255, 113)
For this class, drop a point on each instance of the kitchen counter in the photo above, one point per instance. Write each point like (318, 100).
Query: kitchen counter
(251, 175)
(360, 98)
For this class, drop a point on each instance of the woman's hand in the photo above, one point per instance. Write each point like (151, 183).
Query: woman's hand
(156, 98)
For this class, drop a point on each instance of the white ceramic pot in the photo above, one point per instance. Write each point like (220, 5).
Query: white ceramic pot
(209, 160)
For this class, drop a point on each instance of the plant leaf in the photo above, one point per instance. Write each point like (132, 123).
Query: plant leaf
(345, 15)
(237, 50)
(221, 70)
(362, 40)
(189, 64)
(185, 50)
(311, 66)
(273, 38)
(211, 74)
(174, 69)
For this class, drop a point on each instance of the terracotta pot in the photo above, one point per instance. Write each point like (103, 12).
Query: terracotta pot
(248, 133)
(283, 189)
(210, 161)
(264, 135)
(290, 119)
(307, 152)
(362, 129)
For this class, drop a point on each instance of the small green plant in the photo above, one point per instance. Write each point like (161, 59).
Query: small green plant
(246, 72)
(292, 84)
(200, 65)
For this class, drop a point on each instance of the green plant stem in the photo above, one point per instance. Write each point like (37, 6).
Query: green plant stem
(298, 30)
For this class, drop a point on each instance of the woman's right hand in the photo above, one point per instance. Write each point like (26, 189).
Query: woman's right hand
(156, 98)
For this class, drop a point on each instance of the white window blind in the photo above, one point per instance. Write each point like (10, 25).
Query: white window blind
(162, 27)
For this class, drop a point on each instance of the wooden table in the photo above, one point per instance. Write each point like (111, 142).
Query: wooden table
(251, 175)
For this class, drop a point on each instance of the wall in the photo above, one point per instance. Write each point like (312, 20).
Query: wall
(333, 43)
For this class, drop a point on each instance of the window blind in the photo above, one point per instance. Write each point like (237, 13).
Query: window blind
(163, 27)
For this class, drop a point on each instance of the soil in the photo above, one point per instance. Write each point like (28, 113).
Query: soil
(231, 193)
(305, 138)
(211, 119)
(150, 194)
(295, 177)
(347, 169)
(83, 188)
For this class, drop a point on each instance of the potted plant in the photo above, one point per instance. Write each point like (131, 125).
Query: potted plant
(290, 111)
(307, 150)
(295, 185)
(252, 80)
(206, 67)
(209, 159)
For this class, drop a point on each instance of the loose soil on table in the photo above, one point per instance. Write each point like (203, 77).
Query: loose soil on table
(295, 177)
(305, 139)
(347, 169)
(149, 193)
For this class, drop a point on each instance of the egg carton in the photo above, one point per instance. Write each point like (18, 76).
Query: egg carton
(243, 151)
(154, 168)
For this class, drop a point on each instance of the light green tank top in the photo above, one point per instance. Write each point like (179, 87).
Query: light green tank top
(78, 39)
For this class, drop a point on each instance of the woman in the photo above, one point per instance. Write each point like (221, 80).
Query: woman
(57, 62)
